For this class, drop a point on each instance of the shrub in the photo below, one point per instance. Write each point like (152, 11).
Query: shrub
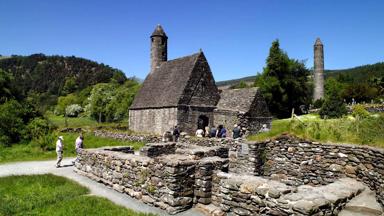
(359, 112)
(318, 103)
(333, 107)
(73, 110)
(36, 128)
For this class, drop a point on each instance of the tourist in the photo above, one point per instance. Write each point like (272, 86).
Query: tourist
(78, 146)
(243, 131)
(176, 133)
(264, 128)
(59, 150)
(236, 131)
(213, 132)
(218, 133)
(223, 132)
(206, 132)
(200, 132)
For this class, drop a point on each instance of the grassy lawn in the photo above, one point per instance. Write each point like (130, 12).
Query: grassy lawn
(82, 122)
(52, 195)
(29, 152)
(369, 131)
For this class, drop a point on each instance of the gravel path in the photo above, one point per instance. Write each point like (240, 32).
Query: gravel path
(98, 189)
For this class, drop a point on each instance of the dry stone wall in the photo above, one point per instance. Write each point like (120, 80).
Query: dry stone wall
(297, 162)
(173, 182)
(254, 195)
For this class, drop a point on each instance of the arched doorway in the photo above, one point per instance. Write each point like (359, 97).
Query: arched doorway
(202, 122)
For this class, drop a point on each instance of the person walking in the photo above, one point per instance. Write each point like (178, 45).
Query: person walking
(78, 146)
(59, 150)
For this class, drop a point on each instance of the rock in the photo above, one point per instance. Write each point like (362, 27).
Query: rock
(363, 204)
(350, 170)
(335, 168)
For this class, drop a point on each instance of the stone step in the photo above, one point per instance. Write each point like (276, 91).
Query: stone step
(365, 204)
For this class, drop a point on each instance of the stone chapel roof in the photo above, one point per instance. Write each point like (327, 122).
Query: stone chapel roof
(165, 86)
(159, 31)
(237, 99)
(318, 42)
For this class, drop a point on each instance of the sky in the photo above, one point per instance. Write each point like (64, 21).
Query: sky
(235, 35)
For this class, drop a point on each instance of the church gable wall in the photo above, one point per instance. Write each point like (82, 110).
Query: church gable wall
(188, 117)
(201, 89)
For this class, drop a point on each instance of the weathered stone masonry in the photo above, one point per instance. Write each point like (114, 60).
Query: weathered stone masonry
(158, 177)
(284, 176)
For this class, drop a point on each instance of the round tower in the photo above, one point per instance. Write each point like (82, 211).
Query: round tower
(318, 92)
(158, 47)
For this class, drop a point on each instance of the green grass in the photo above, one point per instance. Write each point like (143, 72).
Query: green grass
(52, 195)
(82, 122)
(30, 151)
(368, 131)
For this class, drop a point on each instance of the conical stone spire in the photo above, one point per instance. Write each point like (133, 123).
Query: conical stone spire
(159, 31)
(318, 78)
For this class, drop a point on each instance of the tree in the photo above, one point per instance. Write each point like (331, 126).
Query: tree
(110, 102)
(5, 86)
(333, 107)
(284, 82)
(101, 95)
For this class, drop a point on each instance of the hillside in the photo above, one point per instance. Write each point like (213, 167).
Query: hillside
(56, 75)
(350, 75)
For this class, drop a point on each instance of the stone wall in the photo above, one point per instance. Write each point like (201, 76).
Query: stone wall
(230, 118)
(253, 195)
(187, 117)
(154, 121)
(173, 182)
(297, 162)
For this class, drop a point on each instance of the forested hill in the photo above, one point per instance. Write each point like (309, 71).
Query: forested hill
(358, 74)
(351, 75)
(56, 75)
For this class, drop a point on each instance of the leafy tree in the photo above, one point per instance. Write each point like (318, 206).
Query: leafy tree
(64, 102)
(14, 117)
(5, 86)
(110, 102)
(101, 95)
(73, 110)
(284, 82)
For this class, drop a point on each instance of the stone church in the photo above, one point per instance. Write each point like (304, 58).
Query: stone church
(183, 92)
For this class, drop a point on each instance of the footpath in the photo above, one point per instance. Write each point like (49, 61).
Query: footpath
(97, 189)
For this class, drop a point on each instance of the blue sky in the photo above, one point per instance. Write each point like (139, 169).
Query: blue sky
(234, 35)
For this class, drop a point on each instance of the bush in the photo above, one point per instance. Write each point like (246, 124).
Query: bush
(318, 103)
(359, 112)
(73, 110)
(12, 122)
(36, 128)
(333, 107)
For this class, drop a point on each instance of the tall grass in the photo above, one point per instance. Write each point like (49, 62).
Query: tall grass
(52, 195)
(367, 131)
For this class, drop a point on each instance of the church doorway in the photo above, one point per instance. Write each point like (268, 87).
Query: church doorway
(202, 122)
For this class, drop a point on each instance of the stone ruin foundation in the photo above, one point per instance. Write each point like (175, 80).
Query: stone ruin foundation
(285, 176)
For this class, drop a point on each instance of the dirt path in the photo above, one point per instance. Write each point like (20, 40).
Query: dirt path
(98, 189)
